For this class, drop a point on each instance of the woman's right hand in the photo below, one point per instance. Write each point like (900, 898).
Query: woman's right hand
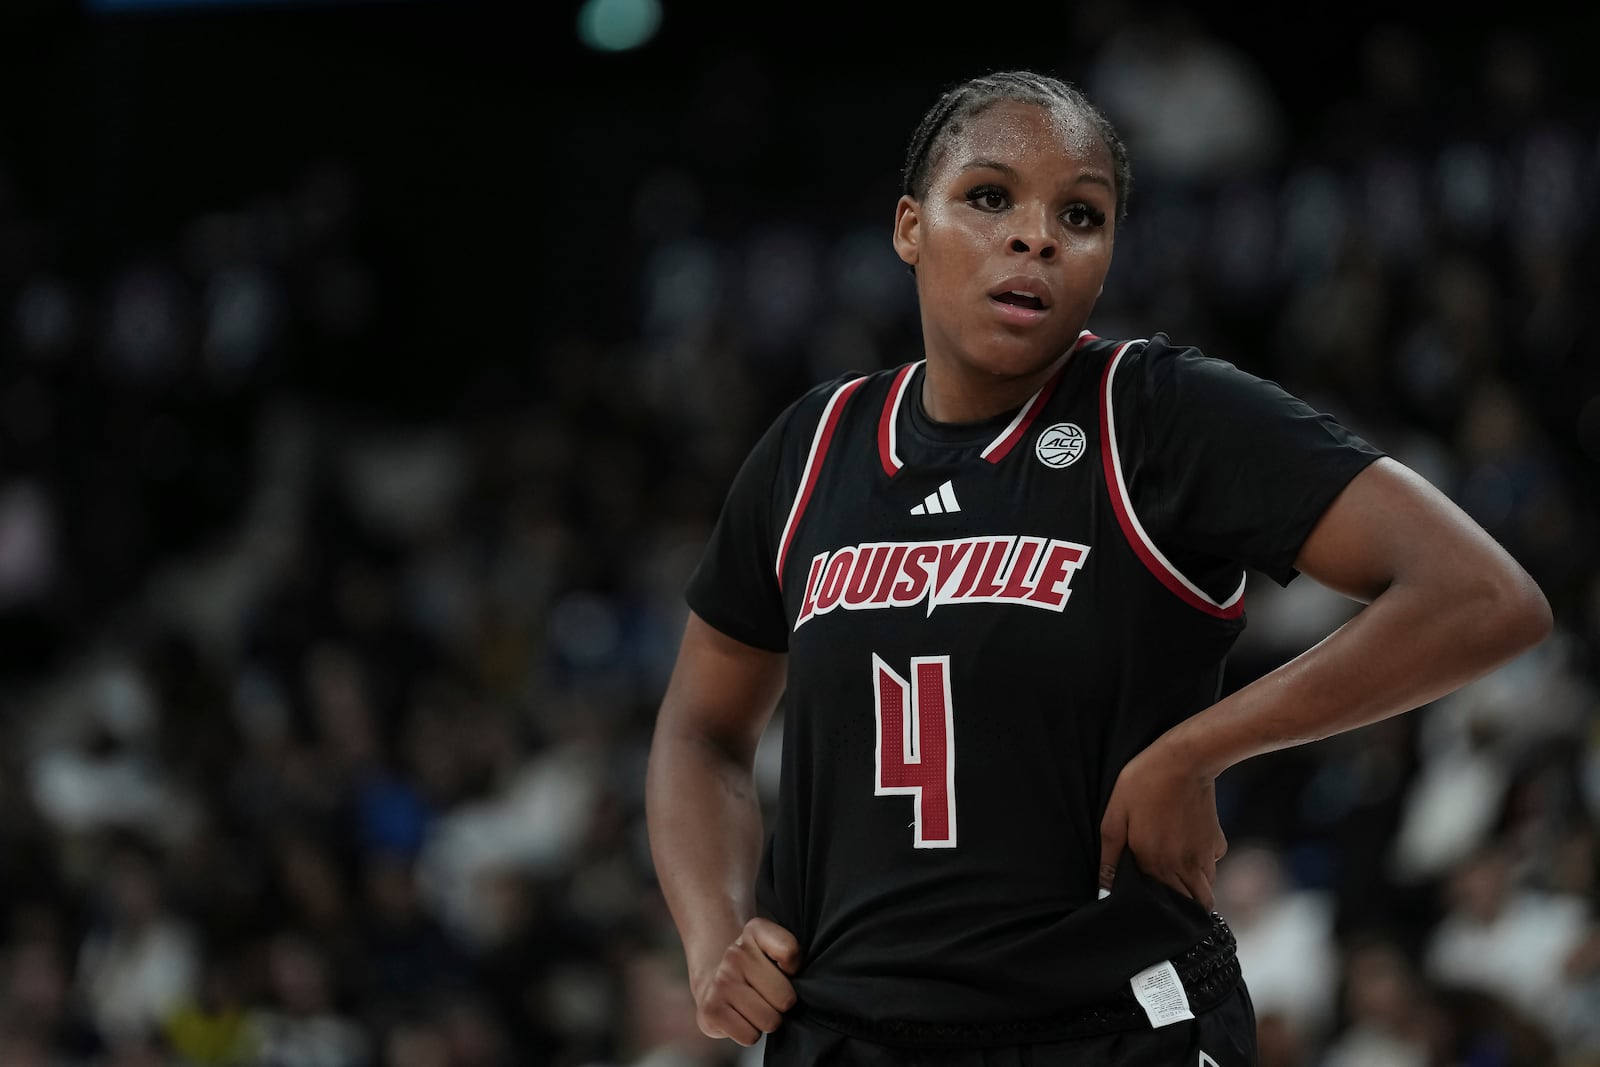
(748, 991)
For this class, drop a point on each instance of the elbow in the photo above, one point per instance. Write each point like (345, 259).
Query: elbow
(1521, 613)
(1539, 619)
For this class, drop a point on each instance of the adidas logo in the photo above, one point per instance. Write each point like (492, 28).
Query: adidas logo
(938, 503)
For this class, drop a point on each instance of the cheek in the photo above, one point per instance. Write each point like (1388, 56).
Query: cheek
(960, 232)
(1088, 265)
(954, 251)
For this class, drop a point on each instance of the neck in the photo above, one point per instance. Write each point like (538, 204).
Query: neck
(952, 392)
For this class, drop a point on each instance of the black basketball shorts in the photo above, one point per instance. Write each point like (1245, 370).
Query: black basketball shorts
(1223, 1036)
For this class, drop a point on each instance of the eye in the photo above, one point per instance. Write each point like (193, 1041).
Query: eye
(988, 198)
(1084, 216)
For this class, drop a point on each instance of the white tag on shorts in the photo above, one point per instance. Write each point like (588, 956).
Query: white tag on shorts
(1161, 994)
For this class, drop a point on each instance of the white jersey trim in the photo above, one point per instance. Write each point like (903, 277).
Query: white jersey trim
(1121, 489)
(808, 475)
(894, 414)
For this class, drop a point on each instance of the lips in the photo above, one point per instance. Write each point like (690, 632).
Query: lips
(1021, 299)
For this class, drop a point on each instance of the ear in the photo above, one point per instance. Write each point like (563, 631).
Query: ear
(906, 230)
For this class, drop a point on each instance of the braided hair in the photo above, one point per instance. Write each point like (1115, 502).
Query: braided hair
(950, 113)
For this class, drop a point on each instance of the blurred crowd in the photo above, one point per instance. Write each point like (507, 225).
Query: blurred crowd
(324, 731)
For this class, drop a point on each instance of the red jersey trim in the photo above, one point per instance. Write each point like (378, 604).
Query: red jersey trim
(808, 479)
(1002, 445)
(1133, 530)
(887, 451)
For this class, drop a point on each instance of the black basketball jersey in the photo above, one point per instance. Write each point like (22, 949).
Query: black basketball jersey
(984, 623)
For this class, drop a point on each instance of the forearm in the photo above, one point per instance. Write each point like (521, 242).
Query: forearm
(1411, 645)
(704, 819)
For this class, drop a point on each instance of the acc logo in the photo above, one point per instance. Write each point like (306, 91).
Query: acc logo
(1060, 445)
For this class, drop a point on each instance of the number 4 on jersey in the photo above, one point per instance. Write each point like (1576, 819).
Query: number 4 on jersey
(915, 753)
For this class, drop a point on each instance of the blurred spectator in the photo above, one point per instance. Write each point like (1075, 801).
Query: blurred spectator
(1287, 947)
(301, 1023)
(140, 960)
(405, 953)
(1501, 938)
(1388, 1020)
(97, 762)
(27, 544)
(43, 1022)
(661, 1014)
(1475, 745)
(213, 1028)
(1192, 107)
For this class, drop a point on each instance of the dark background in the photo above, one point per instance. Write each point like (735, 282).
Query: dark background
(497, 152)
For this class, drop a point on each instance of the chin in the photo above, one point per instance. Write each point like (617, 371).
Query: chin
(1015, 361)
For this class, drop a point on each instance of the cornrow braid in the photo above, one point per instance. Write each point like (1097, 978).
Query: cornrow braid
(960, 103)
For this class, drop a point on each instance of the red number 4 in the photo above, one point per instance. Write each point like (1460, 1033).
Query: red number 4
(915, 753)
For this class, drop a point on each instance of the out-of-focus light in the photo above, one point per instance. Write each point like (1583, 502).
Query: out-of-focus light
(618, 25)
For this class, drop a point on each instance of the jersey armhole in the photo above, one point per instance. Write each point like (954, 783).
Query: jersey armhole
(820, 440)
(1143, 545)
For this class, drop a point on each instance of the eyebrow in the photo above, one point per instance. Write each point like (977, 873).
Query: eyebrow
(991, 164)
(1011, 172)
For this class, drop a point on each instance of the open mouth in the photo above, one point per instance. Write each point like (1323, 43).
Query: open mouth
(1023, 300)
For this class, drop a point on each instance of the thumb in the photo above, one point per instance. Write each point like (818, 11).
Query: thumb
(776, 943)
(1113, 839)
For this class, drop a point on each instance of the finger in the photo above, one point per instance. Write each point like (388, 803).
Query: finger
(761, 972)
(723, 1021)
(777, 944)
(755, 1010)
(1197, 887)
(1178, 880)
(1113, 839)
(771, 984)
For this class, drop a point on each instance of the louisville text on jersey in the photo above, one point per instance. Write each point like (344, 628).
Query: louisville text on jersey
(1032, 571)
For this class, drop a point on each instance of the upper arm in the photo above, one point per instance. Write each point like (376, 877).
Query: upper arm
(722, 691)
(1390, 525)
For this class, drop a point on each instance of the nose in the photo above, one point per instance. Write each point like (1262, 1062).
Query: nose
(1033, 237)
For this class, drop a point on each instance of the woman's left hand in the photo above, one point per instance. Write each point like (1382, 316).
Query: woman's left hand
(1164, 811)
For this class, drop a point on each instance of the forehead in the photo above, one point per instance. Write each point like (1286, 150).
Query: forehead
(1024, 135)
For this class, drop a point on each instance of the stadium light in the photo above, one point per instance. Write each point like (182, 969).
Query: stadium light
(618, 25)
